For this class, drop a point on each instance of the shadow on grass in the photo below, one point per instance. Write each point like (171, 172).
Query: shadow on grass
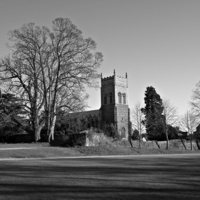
(152, 178)
(94, 192)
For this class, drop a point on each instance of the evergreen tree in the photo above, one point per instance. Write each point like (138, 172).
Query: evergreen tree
(10, 108)
(135, 135)
(10, 116)
(153, 110)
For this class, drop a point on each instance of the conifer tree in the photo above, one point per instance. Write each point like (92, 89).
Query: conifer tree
(153, 114)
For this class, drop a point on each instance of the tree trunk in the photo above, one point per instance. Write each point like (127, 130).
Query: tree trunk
(52, 127)
(129, 138)
(37, 134)
(197, 142)
(139, 140)
(48, 119)
(191, 145)
(182, 140)
(167, 138)
(38, 130)
(139, 143)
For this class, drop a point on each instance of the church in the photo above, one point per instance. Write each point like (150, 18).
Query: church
(114, 107)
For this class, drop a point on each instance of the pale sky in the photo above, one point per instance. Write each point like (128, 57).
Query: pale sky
(157, 42)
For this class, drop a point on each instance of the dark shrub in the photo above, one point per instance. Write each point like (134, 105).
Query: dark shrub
(135, 134)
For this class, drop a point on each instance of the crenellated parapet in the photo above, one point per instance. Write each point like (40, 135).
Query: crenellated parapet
(107, 80)
(115, 79)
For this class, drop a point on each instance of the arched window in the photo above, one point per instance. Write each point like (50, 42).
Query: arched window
(123, 132)
(120, 97)
(105, 99)
(110, 97)
(124, 98)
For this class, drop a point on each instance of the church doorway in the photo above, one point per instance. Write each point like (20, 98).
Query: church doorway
(123, 132)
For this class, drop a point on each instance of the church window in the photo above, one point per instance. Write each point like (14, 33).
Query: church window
(110, 97)
(124, 98)
(120, 97)
(105, 99)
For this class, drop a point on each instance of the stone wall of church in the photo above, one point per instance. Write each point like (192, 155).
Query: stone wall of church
(122, 118)
(84, 120)
(107, 100)
(107, 88)
(121, 86)
(107, 114)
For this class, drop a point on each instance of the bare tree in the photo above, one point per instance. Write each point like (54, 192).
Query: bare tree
(137, 117)
(49, 70)
(189, 122)
(22, 72)
(74, 66)
(195, 103)
(170, 117)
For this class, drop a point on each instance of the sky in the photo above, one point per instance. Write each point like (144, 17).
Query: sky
(157, 42)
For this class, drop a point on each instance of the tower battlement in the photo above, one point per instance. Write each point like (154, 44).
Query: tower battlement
(108, 78)
(115, 79)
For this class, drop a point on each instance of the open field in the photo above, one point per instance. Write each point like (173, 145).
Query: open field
(43, 150)
(134, 177)
(34, 151)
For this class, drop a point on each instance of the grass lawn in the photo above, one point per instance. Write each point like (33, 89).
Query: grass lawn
(138, 177)
(37, 152)
(42, 150)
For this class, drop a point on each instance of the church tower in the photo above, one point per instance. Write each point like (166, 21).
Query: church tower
(114, 103)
